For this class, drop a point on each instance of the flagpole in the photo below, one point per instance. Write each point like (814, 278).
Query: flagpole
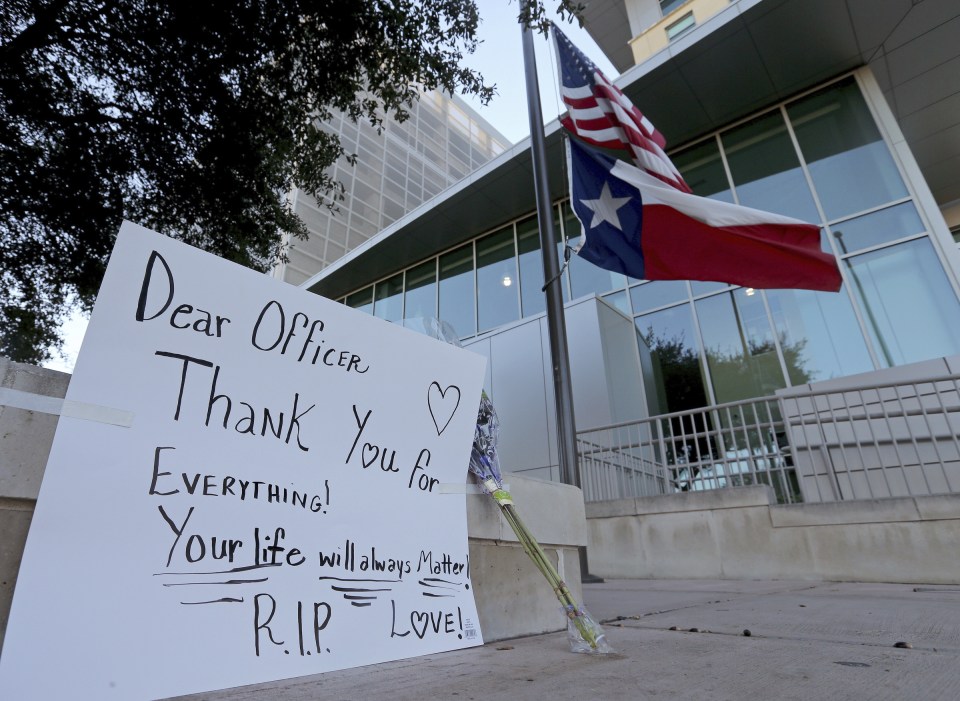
(556, 325)
(566, 428)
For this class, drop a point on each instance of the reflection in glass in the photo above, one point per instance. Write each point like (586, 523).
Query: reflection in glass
(457, 303)
(702, 288)
(819, 335)
(910, 308)
(585, 277)
(672, 354)
(739, 345)
(388, 298)
(497, 299)
(532, 298)
(878, 227)
(850, 165)
(362, 300)
(702, 169)
(420, 298)
(619, 300)
(658, 294)
(766, 170)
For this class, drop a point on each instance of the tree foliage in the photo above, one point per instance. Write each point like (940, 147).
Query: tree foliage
(192, 120)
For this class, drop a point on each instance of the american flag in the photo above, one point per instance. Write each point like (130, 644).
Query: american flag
(600, 114)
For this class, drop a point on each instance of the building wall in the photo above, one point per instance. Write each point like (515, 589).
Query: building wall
(834, 156)
(395, 171)
(652, 27)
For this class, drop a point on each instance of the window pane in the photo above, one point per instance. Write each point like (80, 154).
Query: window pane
(739, 346)
(585, 277)
(670, 355)
(849, 163)
(765, 168)
(703, 171)
(879, 227)
(421, 291)
(668, 6)
(702, 288)
(457, 290)
(388, 298)
(532, 299)
(657, 294)
(819, 335)
(910, 309)
(619, 300)
(497, 299)
(681, 26)
(362, 300)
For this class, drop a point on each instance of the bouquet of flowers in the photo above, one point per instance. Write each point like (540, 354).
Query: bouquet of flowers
(584, 633)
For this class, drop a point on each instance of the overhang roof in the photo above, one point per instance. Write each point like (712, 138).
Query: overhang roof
(751, 54)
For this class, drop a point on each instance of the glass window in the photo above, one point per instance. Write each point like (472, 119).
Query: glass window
(497, 298)
(819, 335)
(670, 355)
(909, 306)
(701, 288)
(956, 233)
(765, 168)
(878, 227)
(739, 346)
(849, 162)
(388, 298)
(532, 298)
(420, 296)
(457, 306)
(619, 300)
(668, 6)
(683, 25)
(362, 300)
(585, 277)
(658, 294)
(702, 169)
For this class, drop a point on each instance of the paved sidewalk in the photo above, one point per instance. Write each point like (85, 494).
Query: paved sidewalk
(807, 641)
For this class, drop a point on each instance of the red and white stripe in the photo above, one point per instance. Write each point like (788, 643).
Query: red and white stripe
(600, 114)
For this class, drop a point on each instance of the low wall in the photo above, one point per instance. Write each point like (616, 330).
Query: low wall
(512, 596)
(743, 534)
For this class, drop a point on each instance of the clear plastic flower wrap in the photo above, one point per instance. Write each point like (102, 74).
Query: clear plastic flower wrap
(580, 621)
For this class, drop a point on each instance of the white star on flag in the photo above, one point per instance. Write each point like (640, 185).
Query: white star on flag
(605, 207)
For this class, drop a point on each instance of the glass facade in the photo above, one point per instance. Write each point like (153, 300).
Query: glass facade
(820, 158)
(395, 172)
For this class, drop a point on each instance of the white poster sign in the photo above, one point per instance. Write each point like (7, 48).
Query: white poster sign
(247, 487)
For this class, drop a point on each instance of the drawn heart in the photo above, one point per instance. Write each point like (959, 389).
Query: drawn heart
(369, 448)
(414, 617)
(443, 405)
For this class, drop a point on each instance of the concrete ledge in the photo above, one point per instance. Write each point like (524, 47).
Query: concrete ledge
(735, 498)
(553, 512)
(26, 436)
(737, 536)
(844, 512)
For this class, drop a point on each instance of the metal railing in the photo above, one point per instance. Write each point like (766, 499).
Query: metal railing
(735, 444)
(881, 440)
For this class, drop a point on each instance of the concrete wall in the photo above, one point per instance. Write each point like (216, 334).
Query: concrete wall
(512, 596)
(742, 534)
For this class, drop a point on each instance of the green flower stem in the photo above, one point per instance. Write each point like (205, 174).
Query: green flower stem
(539, 557)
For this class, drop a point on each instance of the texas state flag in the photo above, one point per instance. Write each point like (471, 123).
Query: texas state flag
(635, 224)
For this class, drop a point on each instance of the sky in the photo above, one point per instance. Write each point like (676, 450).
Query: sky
(500, 59)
